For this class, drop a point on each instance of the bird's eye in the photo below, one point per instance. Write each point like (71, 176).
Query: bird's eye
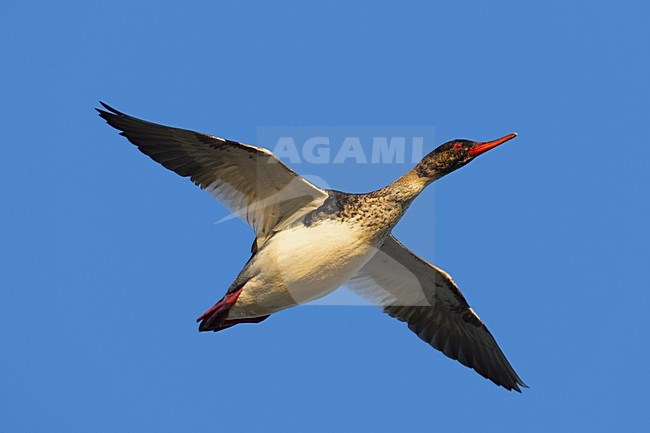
(458, 146)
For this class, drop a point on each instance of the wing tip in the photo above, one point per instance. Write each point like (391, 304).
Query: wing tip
(109, 114)
(109, 108)
(516, 385)
(114, 117)
(522, 385)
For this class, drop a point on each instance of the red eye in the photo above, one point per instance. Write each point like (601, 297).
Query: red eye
(458, 146)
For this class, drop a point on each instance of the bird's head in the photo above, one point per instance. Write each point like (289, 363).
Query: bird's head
(453, 155)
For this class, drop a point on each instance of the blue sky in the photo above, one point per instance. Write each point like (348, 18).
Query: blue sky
(107, 258)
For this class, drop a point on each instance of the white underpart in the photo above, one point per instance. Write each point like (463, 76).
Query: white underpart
(301, 264)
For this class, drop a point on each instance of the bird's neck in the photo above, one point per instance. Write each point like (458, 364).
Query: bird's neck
(407, 187)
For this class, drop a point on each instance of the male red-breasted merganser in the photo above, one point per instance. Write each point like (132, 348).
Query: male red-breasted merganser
(309, 241)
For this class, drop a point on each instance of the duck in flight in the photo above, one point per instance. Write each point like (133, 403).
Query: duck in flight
(310, 241)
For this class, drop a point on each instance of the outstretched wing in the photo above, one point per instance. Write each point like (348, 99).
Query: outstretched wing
(250, 181)
(428, 300)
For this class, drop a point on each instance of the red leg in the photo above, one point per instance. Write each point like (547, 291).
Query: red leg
(214, 318)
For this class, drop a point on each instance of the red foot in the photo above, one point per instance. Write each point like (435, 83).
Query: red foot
(214, 318)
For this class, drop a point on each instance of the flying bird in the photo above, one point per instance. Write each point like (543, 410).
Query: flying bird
(310, 241)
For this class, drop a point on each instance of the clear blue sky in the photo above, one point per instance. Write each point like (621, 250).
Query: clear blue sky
(107, 258)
